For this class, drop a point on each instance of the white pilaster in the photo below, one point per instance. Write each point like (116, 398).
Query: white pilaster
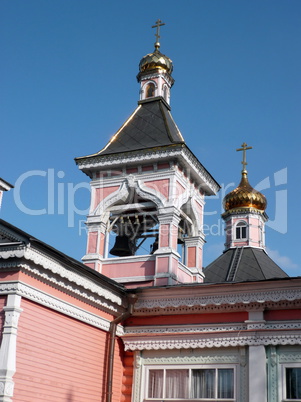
(8, 347)
(257, 374)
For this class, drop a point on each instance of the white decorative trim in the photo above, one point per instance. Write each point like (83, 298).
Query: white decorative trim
(70, 279)
(100, 161)
(217, 299)
(120, 194)
(56, 304)
(212, 341)
(198, 328)
(8, 350)
(203, 328)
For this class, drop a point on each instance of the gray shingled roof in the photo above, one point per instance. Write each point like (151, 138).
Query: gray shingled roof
(150, 126)
(242, 264)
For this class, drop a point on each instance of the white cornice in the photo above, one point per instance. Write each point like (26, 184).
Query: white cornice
(201, 341)
(189, 160)
(61, 276)
(56, 304)
(212, 328)
(220, 296)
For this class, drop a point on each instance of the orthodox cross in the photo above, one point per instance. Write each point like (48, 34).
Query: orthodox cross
(244, 148)
(158, 24)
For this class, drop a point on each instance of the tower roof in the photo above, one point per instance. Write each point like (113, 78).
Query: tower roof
(155, 60)
(150, 126)
(243, 264)
(244, 196)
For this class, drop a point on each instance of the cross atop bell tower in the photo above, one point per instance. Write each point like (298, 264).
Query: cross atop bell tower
(158, 24)
(244, 148)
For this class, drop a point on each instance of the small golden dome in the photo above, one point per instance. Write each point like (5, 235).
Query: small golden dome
(155, 60)
(244, 196)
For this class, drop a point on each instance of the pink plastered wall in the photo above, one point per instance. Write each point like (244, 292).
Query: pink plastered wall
(101, 193)
(164, 235)
(61, 359)
(93, 246)
(162, 264)
(92, 242)
(254, 230)
(129, 269)
(199, 209)
(160, 186)
(191, 256)
(179, 189)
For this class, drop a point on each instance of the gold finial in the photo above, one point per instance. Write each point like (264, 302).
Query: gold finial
(158, 24)
(244, 148)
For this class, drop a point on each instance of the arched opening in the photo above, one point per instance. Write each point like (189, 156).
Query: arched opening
(132, 228)
(150, 90)
(241, 231)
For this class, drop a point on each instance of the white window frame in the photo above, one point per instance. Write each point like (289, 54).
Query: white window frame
(283, 381)
(190, 367)
(241, 224)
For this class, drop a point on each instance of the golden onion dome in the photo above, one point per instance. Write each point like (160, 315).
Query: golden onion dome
(155, 60)
(244, 196)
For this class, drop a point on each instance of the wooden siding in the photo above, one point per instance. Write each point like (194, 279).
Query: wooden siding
(61, 359)
(188, 319)
(127, 382)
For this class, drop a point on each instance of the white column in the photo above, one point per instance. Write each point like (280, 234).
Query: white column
(8, 347)
(257, 374)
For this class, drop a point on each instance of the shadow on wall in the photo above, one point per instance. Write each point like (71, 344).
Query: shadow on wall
(70, 396)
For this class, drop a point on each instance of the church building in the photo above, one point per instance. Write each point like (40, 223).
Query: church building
(140, 319)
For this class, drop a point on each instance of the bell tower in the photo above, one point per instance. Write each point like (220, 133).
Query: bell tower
(244, 257)
(145, 224)
(244, 214)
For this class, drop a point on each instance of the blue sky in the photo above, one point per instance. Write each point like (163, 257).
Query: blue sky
(68, 82)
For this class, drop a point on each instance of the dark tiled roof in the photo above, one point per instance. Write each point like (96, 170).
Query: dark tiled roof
(150, 126)
(242, 264)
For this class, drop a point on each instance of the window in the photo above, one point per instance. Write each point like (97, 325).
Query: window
(293, 383)
(150, 90)
(241, 230)
(199, 384)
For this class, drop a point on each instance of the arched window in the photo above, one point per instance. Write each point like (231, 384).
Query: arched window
(241, 231)
(150, 90)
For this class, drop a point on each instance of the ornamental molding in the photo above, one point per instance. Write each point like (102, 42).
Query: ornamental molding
(212, 341)
(155, 174)
(205, 328)
(245, 298)
(68, 279)
(201, 171)
(290, 357)
(221, 308)
(170, 329)
(100, 161)
(196, 358)
(121, 193)
(56, 304)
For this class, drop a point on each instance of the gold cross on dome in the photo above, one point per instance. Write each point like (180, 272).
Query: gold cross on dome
(158, 24)
(244, 148)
